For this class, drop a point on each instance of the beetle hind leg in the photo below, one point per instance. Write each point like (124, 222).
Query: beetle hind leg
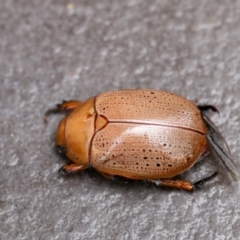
(184, 184)
(115, 178)
(201, 182)
(180, 184)
(203, 108)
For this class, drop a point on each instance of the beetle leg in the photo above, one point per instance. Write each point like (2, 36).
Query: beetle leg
(203, 108)
(106, 175)
(115, 178)
(68, 105)
(72, 168)
(184, 184)
(180, 184)
(64, 106)
(201, 182)
(120, 179)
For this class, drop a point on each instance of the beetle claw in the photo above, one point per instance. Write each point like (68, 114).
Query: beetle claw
(201, 182)
(173, 183)
(62, 171)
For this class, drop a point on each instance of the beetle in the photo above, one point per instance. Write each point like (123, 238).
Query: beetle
(147, 134)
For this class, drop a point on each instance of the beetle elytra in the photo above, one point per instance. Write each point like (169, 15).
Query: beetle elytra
(139, 134)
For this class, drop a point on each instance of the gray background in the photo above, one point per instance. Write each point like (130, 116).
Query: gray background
(55, 50)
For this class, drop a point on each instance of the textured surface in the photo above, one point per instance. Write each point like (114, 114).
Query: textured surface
(145, 152)
(54, 50)
(150, 107)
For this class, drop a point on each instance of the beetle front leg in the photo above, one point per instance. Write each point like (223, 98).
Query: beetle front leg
(72, 168)
(68, 105)
(64, 106)
(184, 184)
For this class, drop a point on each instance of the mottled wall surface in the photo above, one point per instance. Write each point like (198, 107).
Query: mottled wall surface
(55, 50)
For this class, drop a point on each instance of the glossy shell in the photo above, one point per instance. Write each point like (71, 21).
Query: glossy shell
(148, 134)
(139, 134)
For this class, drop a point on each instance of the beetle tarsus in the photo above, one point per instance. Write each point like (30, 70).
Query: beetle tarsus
(184, 184)
(208, 107)
(68, 105)
(62, 171)
(49, 112)
(179, 184)
(201, 182)
(64, 106)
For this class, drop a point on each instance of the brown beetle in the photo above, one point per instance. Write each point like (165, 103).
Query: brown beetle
(139, 134)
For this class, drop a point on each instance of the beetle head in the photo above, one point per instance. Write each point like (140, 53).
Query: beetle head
(60, 137)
